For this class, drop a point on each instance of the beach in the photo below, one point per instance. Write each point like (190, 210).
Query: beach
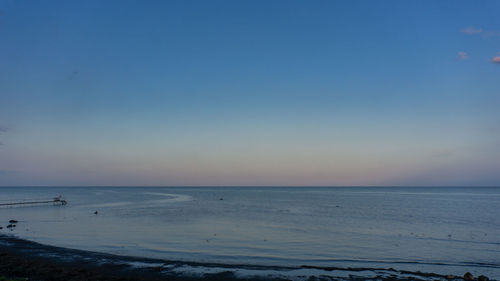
(26, 260)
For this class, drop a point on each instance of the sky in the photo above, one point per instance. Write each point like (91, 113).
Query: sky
(307, 93)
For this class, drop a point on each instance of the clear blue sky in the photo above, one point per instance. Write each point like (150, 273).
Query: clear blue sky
(249, 92)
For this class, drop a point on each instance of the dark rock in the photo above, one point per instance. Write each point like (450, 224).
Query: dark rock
(1, 227)
(468, 276)
(11, 225)
(482, 278)
(221, 198)
(13, 221)
(96, 212)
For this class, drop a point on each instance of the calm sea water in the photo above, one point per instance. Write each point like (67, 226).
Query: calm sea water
(443, 230)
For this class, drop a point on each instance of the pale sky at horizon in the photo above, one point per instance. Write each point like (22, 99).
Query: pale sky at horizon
(313, 93)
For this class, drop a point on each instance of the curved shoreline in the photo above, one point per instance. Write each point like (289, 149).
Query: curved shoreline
(28, 259)
(21, 258)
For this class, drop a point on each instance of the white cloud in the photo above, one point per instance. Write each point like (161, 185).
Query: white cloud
(462, 56)
(471, 30)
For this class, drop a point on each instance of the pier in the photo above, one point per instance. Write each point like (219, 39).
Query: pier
(57, 201)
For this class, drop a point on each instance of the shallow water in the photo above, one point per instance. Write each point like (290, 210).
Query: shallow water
(442, 230)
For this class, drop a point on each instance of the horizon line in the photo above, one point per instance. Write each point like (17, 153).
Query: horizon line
(167, 186)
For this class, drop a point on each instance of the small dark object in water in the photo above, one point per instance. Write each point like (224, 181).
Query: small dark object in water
(482, 278)
(11, 225)
(96, 212)
(13, 221)
(221, 198)
(1, 227)
(468, 276)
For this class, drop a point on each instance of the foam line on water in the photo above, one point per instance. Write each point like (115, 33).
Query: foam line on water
(112, 204)
(173, 197)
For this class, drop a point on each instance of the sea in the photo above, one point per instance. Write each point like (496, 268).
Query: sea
(288, 232)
